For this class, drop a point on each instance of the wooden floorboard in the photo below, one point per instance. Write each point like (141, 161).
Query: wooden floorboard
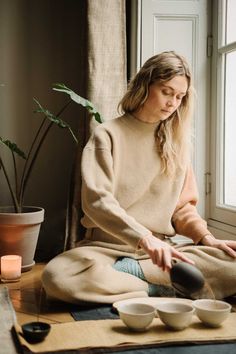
(25, 301)
(30, 302)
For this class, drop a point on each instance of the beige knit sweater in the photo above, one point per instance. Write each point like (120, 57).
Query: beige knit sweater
(125, 196)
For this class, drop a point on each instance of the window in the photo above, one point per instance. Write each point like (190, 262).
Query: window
(223, 155)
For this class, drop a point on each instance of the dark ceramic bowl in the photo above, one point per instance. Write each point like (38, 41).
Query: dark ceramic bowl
(35, 331)
(186, 279)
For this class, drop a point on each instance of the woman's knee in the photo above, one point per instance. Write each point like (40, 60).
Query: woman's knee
(63, 271)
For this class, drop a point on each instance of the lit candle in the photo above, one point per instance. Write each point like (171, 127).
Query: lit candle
(10, 268)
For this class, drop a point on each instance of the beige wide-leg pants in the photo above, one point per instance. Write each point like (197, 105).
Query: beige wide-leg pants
(85, 274)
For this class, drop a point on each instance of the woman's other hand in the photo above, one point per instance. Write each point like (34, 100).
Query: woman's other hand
(226, 245)
(161, 253)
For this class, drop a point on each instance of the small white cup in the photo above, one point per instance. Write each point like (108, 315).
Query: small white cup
(212, 312)
(10, 268)
(136, 316)
(175, 315)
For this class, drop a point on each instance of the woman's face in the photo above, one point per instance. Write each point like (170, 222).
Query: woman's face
(164, 98)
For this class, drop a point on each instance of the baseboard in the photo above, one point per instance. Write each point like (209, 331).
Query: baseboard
(221, 230)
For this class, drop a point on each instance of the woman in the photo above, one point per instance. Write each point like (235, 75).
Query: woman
(138, 190)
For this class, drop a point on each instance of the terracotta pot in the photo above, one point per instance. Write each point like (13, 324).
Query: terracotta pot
(19, 233)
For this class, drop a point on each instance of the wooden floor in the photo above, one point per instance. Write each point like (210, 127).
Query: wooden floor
(30, 303)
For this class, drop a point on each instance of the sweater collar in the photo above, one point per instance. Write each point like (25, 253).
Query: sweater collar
(136, 123)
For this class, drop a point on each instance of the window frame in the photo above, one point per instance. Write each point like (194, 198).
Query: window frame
(220, 216)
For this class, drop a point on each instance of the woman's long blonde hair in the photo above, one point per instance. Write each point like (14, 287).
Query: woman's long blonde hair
(173, 134)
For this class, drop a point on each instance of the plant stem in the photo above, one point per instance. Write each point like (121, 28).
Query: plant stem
(29, 167)
(15, 173)
(13, 195)
(20, 196)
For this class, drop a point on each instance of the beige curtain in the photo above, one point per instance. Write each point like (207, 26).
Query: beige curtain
(106, 84)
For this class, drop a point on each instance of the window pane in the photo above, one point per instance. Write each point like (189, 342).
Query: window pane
(230, 129)
(231, 21)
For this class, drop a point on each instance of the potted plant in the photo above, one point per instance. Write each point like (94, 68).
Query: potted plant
(20, 224)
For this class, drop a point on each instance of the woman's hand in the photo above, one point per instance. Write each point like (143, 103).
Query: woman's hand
(161, 253)
(226, 245)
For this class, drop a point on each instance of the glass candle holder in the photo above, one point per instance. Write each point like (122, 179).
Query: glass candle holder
(10, 268)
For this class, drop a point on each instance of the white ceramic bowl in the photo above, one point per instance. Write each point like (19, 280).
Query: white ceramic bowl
(212, 312)
(175, 315)
(136, 316)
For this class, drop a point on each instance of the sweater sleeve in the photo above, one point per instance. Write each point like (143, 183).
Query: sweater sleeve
(186, 220)
(98, 201)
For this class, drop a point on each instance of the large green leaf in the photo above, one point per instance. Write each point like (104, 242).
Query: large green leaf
(54, 119)
(13, 147)
(80, 100)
